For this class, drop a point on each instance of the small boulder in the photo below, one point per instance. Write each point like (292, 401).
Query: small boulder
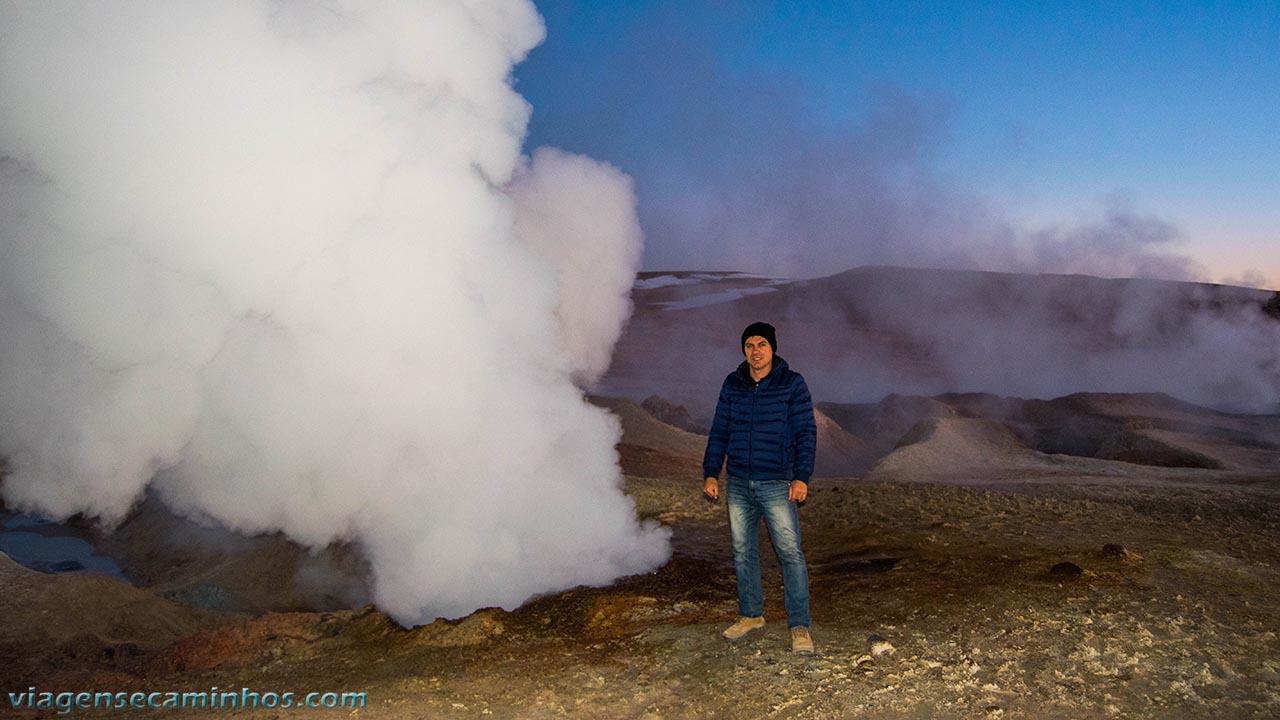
(879, 646)
(1066, 570)
(475, 629)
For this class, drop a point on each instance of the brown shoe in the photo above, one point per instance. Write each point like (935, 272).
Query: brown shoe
(743, 627)
(801, 642)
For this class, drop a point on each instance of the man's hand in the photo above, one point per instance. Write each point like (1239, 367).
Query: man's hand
(798, 492)
(712, 489)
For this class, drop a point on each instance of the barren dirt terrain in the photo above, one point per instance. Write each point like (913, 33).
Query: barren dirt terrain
(966, 574)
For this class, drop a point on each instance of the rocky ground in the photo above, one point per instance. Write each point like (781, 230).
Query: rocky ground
(929, 600)
(1009, 583)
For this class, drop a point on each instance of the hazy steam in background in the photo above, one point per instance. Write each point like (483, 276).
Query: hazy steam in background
(810, 200)
(285, 258)
(787, 198)
(755, 172)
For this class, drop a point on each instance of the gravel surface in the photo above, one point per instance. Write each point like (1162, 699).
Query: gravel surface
(929, 601)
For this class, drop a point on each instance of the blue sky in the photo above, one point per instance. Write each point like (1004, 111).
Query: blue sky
(795, 138)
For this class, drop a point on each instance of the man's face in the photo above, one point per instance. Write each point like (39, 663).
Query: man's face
(759, 353)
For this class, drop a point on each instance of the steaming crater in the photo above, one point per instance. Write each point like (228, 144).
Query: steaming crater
(284, 264)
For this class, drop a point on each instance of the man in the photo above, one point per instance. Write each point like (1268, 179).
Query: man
(764, 424)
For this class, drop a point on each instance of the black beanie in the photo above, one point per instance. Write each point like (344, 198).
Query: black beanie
(764, 330)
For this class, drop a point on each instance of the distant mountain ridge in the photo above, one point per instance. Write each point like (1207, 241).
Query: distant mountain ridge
(865, 333)
(987, 435)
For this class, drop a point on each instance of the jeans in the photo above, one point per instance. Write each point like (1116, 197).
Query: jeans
(750, 500)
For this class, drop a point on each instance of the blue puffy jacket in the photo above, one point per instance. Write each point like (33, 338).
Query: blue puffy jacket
(767, 428)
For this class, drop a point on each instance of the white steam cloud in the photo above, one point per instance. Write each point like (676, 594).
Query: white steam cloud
(283, 262)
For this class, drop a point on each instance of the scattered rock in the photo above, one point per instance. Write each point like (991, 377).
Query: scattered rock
(879, 646)
(650, 610)
(1118, 552)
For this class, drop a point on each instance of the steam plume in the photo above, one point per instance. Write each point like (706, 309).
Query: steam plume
(281, 260)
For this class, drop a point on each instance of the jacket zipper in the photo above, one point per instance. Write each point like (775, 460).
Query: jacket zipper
(751, 431)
